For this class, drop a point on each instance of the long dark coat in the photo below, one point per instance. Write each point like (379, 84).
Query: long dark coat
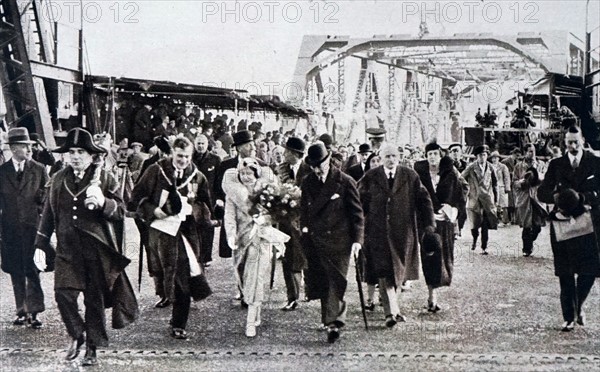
(74, 224)
(146, 197)
(395, 221)
(21, 204)
(451, 189)
(294, 255)
(579, 255)
(333, 215)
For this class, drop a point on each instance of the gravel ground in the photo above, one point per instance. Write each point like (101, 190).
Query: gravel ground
(502, 312)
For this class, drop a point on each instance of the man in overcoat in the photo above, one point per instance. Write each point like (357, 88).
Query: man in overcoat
(482, 197)
(356, 171)
(292, 171)
(22, 191)
(158, 196)
(398, 210)
(82, 205)
(332, 226)
(207, 163)
(529, 213)
(576, 173)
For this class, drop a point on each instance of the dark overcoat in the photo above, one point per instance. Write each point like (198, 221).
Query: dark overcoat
(332, 215)
(294, 255)
(395, 221)
(579, 255)
(82, 233)
(451, 189)
(21, 203)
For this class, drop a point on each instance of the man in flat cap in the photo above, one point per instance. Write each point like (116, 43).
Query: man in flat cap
(482, 196)
(82, 205)
(22, 191)
(332, 225)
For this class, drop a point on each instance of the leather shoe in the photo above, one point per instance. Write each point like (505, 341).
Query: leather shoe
(391, 320)
(433, 307)
(164, 302)
(74, 347)
(290, 306)
(35, 323)
(179, 334)
(333, 333)
(90, 356)
(581, 319)
(19, 321)
(370, 306)
(568, 326)
(244, 304)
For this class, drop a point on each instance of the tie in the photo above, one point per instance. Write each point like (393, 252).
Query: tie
(79, 175)
(575, 163)
(390, 180)
(292, 173)
(323, 179)
(20, 172)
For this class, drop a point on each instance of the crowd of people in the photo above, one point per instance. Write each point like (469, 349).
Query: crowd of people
(394, 210)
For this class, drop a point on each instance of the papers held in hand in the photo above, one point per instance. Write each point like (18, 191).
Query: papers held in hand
(170, 225)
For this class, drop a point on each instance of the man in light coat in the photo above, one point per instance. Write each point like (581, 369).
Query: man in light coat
(482, 197)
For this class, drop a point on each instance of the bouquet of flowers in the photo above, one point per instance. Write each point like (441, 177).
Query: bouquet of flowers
(279, 201)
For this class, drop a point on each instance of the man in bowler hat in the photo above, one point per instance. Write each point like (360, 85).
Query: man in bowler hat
(292, 171)
(332, 226)
(83, 204)
(22, 191)
(358, 170)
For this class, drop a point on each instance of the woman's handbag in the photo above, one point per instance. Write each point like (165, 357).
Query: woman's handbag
(566, 227)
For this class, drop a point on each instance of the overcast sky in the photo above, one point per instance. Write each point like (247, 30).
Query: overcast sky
(258, 41)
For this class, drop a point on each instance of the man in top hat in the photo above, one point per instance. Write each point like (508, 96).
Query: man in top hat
(245, 146)
(82, 205)
(376, 137)
(292, 171)
(482, 196)
(357, 170)
(207, 163)
(332, 226)
(22, 191)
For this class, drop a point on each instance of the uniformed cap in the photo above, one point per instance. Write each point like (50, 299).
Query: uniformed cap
(376, 132)
(454, 145)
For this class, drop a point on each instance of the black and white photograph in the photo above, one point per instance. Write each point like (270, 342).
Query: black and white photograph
(309, 185)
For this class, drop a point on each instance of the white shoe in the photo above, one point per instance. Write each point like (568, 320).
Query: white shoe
(250, 330)
(258, 321)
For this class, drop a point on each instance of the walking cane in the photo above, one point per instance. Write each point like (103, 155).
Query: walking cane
(361, 295)
(140, 266)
